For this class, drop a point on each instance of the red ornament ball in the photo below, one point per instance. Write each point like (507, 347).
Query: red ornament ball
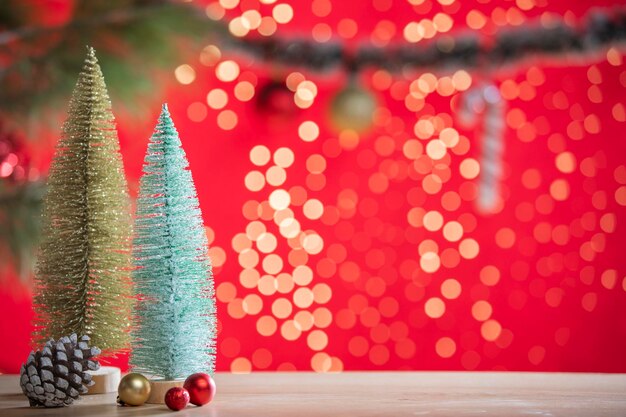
(176, 398)
(201, 388)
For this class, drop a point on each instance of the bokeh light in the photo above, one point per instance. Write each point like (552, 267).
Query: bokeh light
(369, 250)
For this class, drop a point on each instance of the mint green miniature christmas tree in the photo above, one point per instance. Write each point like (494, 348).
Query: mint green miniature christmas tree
(174, 324)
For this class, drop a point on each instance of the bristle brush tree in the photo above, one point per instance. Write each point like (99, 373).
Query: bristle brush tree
(82, 279)
(174, 324)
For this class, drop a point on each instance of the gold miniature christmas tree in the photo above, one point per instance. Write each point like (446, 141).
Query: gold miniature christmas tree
(82, 282)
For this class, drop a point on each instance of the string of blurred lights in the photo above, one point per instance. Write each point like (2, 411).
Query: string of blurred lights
(353, 107)
(547, 37)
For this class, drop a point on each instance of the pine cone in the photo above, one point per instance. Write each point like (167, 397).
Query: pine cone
(56, 375)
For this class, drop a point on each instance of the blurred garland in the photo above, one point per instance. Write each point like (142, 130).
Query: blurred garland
(554, 37)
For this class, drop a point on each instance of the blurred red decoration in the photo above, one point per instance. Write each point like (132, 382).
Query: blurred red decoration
(276, 101)
(14, 156)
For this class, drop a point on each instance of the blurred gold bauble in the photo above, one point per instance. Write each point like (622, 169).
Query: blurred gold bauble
(134, 389)
(353, 108)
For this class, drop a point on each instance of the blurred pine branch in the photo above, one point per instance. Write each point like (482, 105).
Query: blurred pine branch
(38, 64)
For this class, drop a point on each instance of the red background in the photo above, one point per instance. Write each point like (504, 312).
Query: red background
(558, 304)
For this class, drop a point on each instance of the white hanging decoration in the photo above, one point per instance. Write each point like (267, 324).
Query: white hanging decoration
(487, 99)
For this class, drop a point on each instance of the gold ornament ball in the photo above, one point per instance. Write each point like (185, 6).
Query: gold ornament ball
(134, 389)
(353, 108)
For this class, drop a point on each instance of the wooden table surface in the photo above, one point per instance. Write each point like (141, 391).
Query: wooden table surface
(353, 394)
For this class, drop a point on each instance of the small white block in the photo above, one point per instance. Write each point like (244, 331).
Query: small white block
(106, 379)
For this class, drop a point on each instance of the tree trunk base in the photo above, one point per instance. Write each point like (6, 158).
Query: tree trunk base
(158, 388)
